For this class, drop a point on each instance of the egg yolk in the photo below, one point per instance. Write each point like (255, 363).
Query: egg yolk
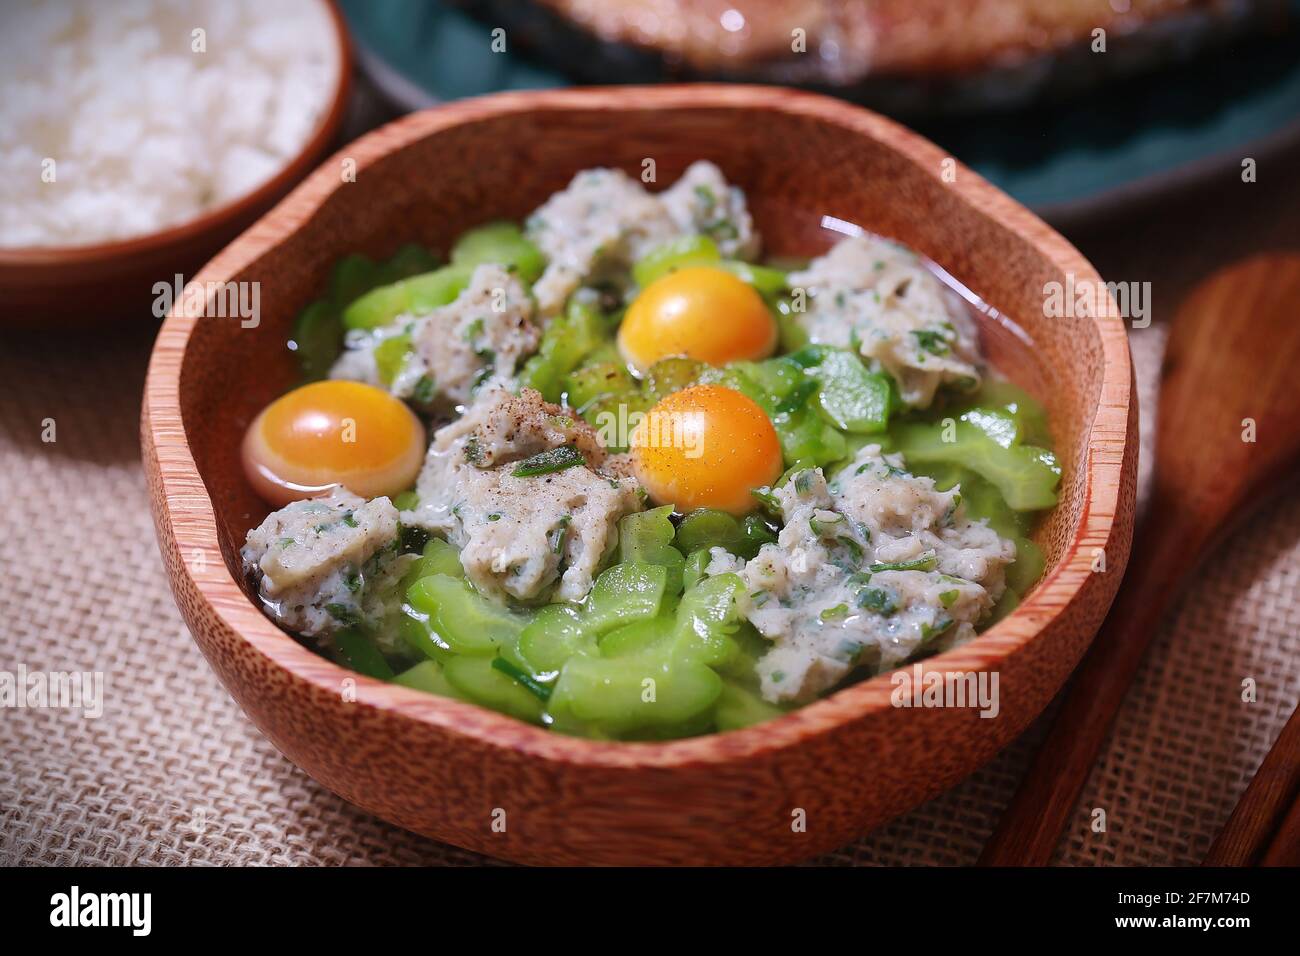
(333, 433)
(706, 447)
(700, 312)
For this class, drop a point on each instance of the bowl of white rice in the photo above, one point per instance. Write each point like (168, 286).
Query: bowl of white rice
(138, 137)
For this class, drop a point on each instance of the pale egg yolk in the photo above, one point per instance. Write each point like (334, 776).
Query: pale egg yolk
(333, 433)
(706, 447)
(700, 312)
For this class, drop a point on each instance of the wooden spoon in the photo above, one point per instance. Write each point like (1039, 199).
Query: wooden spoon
(1262, 814)
(1228, 431)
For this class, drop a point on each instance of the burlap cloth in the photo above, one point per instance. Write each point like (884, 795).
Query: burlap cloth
(173, 773)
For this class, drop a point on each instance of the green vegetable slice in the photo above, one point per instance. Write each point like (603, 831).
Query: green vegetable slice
(647, 537)
(640, 690)
(500, 243)
(1024, 572)
(354, 275)
(417, 633)
(622, 594)
(765, 280)
(670, 375)
(417, 295)
(1025, 475)
(709, 528)
(428, 677)
(1030, 419)
(591, 383)
(707, 617)
(673, 255)
(356, 651)
(390, 356)
(479, 680)
(696, 562)
(739, 707)
(409, 260)
(465, 620)
(556, 633)
(317, 339)
(568, 339)
(807, 440)
(637, 637)
(437, 557)
(850, 397)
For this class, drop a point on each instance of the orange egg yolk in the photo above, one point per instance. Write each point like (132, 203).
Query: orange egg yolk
(699, 312)
(706, 447)
(333, 433)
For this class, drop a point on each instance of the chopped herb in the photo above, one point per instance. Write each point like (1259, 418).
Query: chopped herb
(349, 519)
(883, 601)
(485, 373)
(410, 538)
(852, 546)
(285, 542)
(561, 533)
(551, 460)
(850, 650)
(341, 613)
(803, 481)
(424, 390)
(758, 531)
(824, 527)
(948, 598)
(494, 516)
(951, 513)
(767, 499)
(931, 341)
(929, 631)
(522, 678)
(352, 582)
(925, 562)
(778, 676)
(474, 330)
(474, 451)
(836, 613)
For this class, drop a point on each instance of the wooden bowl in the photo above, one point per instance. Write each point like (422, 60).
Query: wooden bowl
(781, 791)
(83, 285)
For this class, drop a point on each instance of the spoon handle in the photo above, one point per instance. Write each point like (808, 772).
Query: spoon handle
(1031, 827)
(1260, 812)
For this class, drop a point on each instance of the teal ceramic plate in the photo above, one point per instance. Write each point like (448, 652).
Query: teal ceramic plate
(1131, 141)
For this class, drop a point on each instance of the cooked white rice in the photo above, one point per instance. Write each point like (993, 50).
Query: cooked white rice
(143, 131)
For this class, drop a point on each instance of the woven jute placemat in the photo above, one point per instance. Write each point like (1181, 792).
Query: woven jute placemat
(173, 773)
